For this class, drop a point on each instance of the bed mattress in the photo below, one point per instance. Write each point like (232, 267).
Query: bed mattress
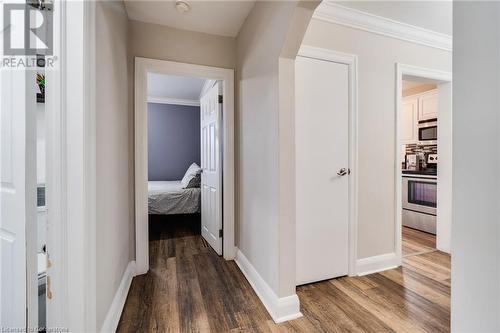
(168, 197)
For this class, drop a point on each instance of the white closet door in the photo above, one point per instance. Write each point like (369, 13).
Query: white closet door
(18, 199)
(322, 146)
(211, 179)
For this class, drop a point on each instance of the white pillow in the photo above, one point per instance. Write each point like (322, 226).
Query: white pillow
(191, 172)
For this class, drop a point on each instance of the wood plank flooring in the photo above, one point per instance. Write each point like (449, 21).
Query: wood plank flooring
(416, 242)
(190, 289)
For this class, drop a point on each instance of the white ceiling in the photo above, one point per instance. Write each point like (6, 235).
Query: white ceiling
(432, 15)
(412, 84)
(174, 87)
(223, 18)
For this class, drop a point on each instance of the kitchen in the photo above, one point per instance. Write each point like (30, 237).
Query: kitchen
(419, 163)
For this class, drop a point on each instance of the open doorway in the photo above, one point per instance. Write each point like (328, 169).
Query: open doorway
(184, 155)
(423, 162)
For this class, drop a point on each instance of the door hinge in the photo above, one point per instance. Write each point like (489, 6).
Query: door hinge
(220, 98)
(221, 233)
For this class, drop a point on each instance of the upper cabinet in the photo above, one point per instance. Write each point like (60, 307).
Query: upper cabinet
(428, 105)
(409, 120)
(416, 108)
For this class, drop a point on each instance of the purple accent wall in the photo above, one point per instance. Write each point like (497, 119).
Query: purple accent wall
(173, 140)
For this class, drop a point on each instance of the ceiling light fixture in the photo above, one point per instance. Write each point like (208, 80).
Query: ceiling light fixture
(182, 6)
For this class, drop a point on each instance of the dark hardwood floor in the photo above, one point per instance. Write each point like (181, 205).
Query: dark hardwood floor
(190, 289)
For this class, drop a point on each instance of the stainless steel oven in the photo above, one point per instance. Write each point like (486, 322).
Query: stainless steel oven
(420, 202)
(427, 130)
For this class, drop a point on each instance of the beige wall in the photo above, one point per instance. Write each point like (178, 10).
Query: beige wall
(432, 15)
(377, 56)
(258, 48)
(114, 209)
(286, 128)
(165, 43)
(266, 47)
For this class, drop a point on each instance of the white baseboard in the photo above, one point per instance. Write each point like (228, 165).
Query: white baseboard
(376, 264)
(115, 310)
(281, 309)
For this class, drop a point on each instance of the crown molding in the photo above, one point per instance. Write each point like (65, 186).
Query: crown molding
(174, 101)
(335, 13)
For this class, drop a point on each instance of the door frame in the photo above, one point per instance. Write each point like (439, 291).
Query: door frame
(71, 166)
(421, 72)
(143, 66)
(351, 61)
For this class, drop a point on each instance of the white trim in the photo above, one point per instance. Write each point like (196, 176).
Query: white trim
(115, 310)
(55, 173)
(142, 67)
(376, 264)
(281, 309)
(30, 195)
(334, 13)
(209, 83)
(173, 101)
(90, 163)
(71, 182)
(352, 62)
(410, 70)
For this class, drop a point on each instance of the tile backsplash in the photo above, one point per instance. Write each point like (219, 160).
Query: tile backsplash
(417, 148)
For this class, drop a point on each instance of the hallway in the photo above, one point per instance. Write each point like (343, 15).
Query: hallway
(190, 289)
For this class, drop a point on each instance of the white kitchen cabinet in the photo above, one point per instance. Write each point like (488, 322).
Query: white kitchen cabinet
(409, 120)
(415, 108)
(428, 105)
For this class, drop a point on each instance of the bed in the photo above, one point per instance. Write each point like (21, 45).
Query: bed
(169, 197)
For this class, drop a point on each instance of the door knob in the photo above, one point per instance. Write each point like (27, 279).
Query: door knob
(343, 172)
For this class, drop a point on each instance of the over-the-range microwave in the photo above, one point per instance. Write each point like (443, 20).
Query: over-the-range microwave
(427, 130)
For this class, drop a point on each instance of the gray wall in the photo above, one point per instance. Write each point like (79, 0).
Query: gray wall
(173, 140)
(114, 159)
(475, 262)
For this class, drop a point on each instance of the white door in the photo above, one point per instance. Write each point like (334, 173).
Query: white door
(211, 177)
(409, 120)
(18, 199)
(322, 170)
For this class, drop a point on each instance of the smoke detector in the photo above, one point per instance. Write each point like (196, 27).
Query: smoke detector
(182, 6)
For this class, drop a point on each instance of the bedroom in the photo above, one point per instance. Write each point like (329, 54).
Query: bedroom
(177, 208)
